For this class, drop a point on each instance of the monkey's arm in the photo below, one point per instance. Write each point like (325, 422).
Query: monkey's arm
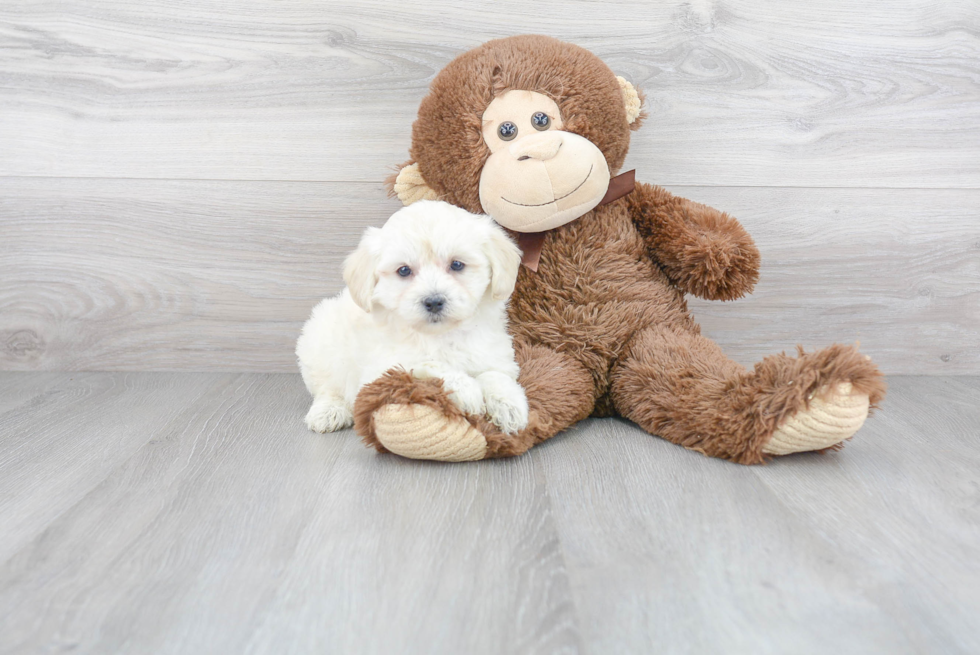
(703, 251)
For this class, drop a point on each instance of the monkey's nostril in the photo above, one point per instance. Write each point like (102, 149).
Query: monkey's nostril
(523, 157)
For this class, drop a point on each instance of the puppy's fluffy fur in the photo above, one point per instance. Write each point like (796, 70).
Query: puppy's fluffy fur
(427, 292)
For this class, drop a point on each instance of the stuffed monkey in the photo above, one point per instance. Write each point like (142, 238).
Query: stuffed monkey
(533, 132)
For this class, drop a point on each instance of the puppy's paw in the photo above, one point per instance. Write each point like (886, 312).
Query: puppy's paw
(463, 390)
(466, 394)
(329, 415)
(505, 401)
(429, 370)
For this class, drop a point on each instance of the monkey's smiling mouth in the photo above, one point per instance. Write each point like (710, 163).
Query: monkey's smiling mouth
(556, 199)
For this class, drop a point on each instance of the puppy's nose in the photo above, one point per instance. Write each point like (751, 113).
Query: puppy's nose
(542, 146)
(434, 304)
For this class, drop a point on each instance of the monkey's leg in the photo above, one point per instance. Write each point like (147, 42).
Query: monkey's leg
(415, 418)
(680, 386)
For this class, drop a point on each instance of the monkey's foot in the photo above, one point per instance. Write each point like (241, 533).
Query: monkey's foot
(415, 418)
(832, 416)
(424, 432)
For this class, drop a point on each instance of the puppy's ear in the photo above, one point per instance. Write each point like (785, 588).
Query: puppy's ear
(505, 261)
(360, 270)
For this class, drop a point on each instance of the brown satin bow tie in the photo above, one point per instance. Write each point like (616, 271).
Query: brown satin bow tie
(531, 243)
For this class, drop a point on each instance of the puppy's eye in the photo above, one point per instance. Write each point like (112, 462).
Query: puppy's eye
(404, 271)
(507, 131)
(540, 121)
(457, 265)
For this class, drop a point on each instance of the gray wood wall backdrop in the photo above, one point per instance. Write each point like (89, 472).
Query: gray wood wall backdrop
(180, 180)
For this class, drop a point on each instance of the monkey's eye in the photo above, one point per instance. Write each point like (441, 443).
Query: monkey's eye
(404, 271)
(507, 131)
(457, 265)
(540, 121)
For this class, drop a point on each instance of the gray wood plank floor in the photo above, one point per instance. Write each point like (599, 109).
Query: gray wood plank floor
(193, 513)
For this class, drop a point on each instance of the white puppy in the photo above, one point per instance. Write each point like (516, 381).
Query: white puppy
(426, 292)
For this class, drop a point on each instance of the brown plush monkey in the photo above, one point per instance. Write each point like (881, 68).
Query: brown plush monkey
(530, 130)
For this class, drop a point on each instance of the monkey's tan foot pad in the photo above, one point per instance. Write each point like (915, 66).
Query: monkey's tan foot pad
(423, 432)
(831, 418)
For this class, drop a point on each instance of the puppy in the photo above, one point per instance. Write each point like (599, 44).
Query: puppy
(426, 292)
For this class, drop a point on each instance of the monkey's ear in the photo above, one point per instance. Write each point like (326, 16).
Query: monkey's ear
(408, 186)
(634, 103)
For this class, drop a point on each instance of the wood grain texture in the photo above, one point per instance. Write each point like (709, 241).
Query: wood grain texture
(59, 446)
(896, 271)
(158, 275)
(192, 275)
(213, 521)
(234, 529)
(20, 390)
(795, 93)
(873, 549)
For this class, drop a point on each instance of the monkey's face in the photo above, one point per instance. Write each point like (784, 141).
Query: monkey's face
(538, 176)
(527, 129)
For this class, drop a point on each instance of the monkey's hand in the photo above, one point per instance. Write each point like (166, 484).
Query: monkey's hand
(703, 251)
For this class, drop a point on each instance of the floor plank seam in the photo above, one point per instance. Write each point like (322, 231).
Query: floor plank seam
(576, 612)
